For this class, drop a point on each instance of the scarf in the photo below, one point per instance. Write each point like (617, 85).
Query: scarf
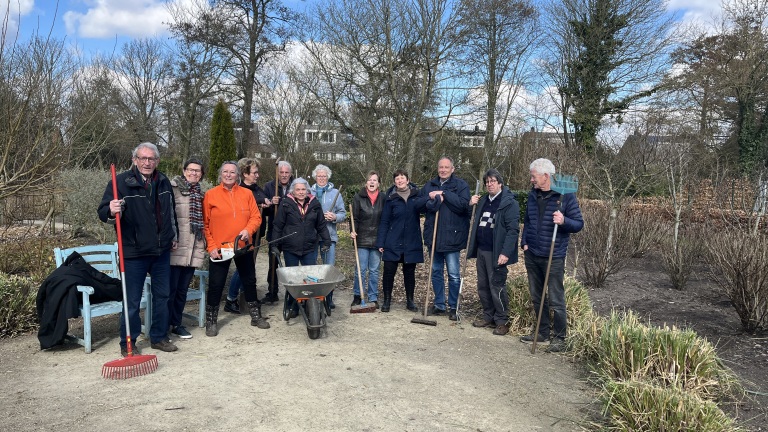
(195, 209)
(372, 196)
(320, 191)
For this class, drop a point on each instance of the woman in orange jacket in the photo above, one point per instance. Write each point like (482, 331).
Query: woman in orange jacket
(229, 211)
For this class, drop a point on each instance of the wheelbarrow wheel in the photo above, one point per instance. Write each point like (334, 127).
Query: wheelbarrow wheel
(314, 315)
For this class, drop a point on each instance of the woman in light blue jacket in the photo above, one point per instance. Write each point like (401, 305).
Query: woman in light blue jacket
(333, 209)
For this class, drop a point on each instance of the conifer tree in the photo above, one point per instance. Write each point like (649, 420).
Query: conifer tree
(223, 145)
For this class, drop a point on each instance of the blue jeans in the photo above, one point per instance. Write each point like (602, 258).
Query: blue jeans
(451, 261)
(177, 297)
(536, 267)
(328, 257)
(292, 260)
(136, 269)
(370, 261)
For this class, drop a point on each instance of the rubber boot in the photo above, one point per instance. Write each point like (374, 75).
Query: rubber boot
(329, 299)
(409, 304)
(256, 319)
(211, 319)
(387, 300)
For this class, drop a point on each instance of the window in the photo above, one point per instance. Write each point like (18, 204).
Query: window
(328, 137)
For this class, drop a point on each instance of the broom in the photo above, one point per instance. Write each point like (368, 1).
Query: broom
(564, 184)
(423, 319)
(464, 265)
(362, 307)
(132, 365)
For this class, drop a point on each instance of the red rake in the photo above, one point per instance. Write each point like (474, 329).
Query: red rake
(132, 365)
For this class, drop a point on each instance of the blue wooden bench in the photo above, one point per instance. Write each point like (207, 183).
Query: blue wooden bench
(104, 258)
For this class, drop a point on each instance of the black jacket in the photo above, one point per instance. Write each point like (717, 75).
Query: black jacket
(506, 227)
(400, 227)
(453, 223)
(57, 298)
(259, 196)
(309, 227)
(269, 212)
(367, 217)
(149, 219)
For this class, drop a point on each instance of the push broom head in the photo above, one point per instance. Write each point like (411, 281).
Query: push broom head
(130, 367)
(417, 320)
(363, 308)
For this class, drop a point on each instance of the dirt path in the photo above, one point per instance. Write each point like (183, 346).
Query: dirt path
(371, 372)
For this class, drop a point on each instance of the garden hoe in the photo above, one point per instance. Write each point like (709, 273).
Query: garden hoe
(466, 252)
(423, 319)
(363, 307)
(134, 364)
(564, 184)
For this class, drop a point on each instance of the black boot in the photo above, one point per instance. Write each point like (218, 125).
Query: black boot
(232, 306)
(387, 300)
(409, 304)
(211, 318)
(356, 300)
(256, 319)
(271, 296)
(329, 299)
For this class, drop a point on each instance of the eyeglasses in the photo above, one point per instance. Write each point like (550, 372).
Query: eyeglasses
(492, 181)
(252, 173)
(193, 171)
(147, 159)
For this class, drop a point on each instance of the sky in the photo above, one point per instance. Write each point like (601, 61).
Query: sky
(103, 26)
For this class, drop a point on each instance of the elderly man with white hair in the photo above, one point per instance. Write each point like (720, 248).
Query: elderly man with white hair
(545, 209)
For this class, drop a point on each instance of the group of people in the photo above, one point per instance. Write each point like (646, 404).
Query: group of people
(170, 225)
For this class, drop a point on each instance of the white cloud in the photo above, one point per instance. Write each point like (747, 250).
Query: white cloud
(110, 18)
(699, 13)
(15, 10)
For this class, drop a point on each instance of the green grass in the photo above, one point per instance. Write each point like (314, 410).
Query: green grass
(17, 305)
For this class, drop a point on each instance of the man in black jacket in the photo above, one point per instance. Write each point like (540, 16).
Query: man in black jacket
(494, 243)
(275, 191)
(449, 195)
(148, 221)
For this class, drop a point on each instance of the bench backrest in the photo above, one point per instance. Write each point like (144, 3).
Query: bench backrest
(102, 257)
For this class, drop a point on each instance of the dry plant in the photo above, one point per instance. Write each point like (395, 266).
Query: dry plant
(679, 256)
(521, 314)
(738, 260)
(635, 233)
(17, 305)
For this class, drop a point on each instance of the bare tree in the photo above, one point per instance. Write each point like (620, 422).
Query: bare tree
(376, 68)
(247, 33)
(498, 39)
(142, 73)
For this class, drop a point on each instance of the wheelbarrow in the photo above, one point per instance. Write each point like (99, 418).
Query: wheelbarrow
(309, 285)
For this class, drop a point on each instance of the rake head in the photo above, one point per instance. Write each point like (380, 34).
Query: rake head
(129, 367)
(565, 184)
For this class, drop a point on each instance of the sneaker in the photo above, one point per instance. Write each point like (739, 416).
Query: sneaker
(356, 301)
(557, 345)
(231, 306)
(529, 339)
(501, 330)
(181, 332)
(124, 351)
(481, 323)
(452, 315)
(436, 311)
(164, 345)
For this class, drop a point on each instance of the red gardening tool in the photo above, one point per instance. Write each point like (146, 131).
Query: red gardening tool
(134, 364)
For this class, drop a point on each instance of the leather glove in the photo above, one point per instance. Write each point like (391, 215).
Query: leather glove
(325, 249)
(273, 250)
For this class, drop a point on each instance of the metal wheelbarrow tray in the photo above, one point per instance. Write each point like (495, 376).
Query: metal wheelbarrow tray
(309, 285)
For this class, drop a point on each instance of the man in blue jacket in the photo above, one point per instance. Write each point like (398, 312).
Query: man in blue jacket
(148, 223)
(545, 209)
(449, 195)
(494, 243)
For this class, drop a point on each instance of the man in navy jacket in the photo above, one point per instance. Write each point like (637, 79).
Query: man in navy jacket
(494, 243)
(449, 195)
(545, 209)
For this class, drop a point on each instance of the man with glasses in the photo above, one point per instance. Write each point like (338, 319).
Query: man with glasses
(148, 221)
(494, 243)
(275, 190)
(449, 195)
